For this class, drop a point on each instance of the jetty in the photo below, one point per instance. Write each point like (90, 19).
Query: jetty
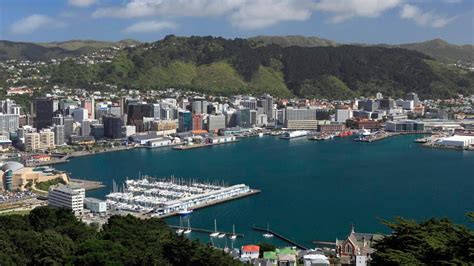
(86, 184)
(201, 230)
(203, 145)
(280, 236)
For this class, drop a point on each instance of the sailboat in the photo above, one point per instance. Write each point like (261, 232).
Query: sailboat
(180, 229)
(221, 235)
(215, 234)
(267, 234)
(233, 236)
(188, 230)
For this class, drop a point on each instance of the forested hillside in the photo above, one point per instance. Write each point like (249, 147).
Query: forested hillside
(222, 66)
(55, 237)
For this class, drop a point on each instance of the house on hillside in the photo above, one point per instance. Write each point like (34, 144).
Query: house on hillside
(357, 247)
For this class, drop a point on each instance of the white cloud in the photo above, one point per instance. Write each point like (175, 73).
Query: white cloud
(33, 23)
(82, 3)
(426, 19)
(149, 26)
(343, 10)
(245, 14)
(264, 13)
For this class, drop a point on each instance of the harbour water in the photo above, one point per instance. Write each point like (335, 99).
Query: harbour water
(310, 190)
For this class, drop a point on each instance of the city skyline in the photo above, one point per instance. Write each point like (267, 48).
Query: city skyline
(354, 21)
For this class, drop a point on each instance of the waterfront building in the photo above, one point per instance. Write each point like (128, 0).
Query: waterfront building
(9, 123)
(215, 122)
(356, 244)
(18, 176)
(363, 124)
(456, 141)
(158, 142)
(95, 205)
(44, 110)
(331, 128)
(128, 131)
(59, 135)
(68, 127)
(230, 118)
(262, 120)
(404, 126)
(112, 126)
(315, 259)
(136, 113)
(343, 114)
(185, 121)
(244, 118)
(97, 131)
(46, 138)
(67, 197)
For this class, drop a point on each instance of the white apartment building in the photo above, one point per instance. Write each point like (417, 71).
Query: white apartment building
(67, 197)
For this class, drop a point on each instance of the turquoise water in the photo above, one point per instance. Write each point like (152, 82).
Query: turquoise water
(310, 190)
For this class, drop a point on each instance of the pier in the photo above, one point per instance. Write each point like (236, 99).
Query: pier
(324, 243)
(261, 229)
(86, 184)
(201, 230)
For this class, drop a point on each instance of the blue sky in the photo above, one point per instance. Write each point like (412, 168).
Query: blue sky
(363, 21)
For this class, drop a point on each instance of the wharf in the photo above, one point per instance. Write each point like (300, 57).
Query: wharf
(195, 146)
(86, 184)
(381, 136)
(261, 229)
(250, 193)
(201, 230)
(59, 161)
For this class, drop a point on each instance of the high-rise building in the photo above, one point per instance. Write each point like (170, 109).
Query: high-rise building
(413, 97)
(268, 109)
(44, 109)
(67, 197)
(97, 131)
(86, 127)
(68, 127)
(80, 114)
(112, 126)
(46, 138)
(197, 122)
(244, 118)
(136, 113)
(59, 135)
(249, 104)
(9, 123)
(89, 105)
(199, 106)
(215, 122)
(156, 111)
(185, 122)
(58, 120)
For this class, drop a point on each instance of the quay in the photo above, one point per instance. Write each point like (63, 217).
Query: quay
(86, 184)
(208, 204)
(195, 146)
(261, 229)
(385, 135)
(201, 230)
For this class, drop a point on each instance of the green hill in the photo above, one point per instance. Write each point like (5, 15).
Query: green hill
(30, 51)
(437, 48)
(223, 66)
(73, 45)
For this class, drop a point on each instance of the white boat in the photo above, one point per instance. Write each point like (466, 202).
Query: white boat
(185, 212)
(260, 134)
(180, 229)
(268, 234)
(364, 133)
(233, 236)
(188, 230)
(215, 234)
(221, 236)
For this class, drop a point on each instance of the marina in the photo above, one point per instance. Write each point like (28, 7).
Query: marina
(170, 196)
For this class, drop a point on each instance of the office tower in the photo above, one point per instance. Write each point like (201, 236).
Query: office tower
(244, 118)
(215, 122)
(97, 131)
(89, 105)
(197, 122)
(112, 126)
(68, 127)
(44, 110)
(184, 121)
(9, 123)
(59, 135)
(80, 114)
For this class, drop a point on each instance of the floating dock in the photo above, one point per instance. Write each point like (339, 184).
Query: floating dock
(292, 242)
(201, 230)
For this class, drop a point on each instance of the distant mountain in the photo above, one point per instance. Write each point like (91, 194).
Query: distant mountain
(31, 51)
(442, 50)
(437, 48)
(91, 44)
(293, 40)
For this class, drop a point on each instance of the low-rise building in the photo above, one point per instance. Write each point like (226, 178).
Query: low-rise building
(250, 252)
(356, 244)
(456, 141)
(404, 126)
(95, 205)
(67, 197)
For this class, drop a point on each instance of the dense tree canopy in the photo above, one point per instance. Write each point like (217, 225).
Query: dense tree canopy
(432, 242)
(55, 237)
